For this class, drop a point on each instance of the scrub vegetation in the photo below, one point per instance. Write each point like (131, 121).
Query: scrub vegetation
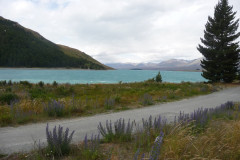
(24, 102)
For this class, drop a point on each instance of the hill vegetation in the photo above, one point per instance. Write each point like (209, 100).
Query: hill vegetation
(22, 47)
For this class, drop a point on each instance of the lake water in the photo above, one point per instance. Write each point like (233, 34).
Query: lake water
(93, 76)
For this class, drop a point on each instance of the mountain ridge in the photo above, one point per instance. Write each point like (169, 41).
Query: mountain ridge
(171, 64)
(23, 47)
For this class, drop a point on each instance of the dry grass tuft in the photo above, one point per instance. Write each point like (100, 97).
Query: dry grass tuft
(221, 140)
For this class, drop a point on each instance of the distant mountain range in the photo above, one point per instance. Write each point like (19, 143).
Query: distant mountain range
(23, 47)
(172, 64)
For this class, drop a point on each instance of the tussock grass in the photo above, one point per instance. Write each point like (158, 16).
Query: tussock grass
(24, 102)
(219, 141)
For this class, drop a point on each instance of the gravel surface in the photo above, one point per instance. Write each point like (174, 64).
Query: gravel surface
(23, 138)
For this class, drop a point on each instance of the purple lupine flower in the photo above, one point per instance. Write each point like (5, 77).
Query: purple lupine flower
(156, 147)
(120, 129)
(136, 155)
(85, 142)
(143, 155)
(92, 145)
(58, 141)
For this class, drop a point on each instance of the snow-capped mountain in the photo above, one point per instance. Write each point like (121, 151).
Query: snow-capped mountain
(172, 64)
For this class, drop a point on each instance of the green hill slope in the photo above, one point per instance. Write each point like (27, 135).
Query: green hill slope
(22, 47)
(79, 54)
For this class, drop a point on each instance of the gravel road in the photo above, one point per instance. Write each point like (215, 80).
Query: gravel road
(22, 138)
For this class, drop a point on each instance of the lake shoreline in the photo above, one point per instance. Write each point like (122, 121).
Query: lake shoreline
(5, 68)
(63, 75)
(37, 68)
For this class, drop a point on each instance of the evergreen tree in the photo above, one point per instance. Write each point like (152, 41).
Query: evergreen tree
(158, 77)
(221, 51)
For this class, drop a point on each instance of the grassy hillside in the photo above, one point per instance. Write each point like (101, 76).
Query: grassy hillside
(79, 54)
(22, 47)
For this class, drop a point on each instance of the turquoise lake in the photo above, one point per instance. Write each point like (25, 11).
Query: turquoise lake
(92, 76)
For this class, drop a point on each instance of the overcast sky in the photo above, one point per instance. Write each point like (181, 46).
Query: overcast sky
(119, 30)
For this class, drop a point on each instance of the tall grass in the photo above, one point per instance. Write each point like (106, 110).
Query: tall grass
(82, 99)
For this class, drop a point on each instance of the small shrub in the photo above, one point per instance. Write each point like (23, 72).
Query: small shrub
(59, 141)
(163, 98)
(109, 103)
(38, 93)
(117, 99)
(8, 97)
(158, 77)
(55, 84)
(151, 80)
(41, 84)
(76, 105)
(122, 132)
(9, 83)
(147, 99)
(64, 91)
(26, 83)
(24, 117)
(8, 89)
(3, 83)
(54, 109)
(91, 148)
(6, 119)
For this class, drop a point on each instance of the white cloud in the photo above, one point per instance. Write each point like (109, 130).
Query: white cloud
(118, 31)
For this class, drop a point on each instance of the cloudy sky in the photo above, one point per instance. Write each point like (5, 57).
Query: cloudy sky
(119, 30)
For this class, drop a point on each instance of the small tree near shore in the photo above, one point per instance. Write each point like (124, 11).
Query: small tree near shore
(158, 78)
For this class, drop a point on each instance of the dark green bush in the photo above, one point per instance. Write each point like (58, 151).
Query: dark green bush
(3, 83)
(9, 82)
(8, 89)
(37, 93)
(41, 84)
(7, 98)
(64, 91)
(26, 83)
(158, 77)
(55, 84)
(6, 119)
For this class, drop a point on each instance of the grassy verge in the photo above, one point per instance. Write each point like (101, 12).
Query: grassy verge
(23, 102)
(203, 134)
